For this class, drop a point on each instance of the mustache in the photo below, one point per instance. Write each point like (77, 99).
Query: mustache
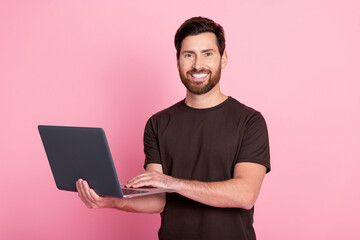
(198, 71)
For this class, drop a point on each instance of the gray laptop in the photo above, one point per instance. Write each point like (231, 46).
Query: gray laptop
(83, 152)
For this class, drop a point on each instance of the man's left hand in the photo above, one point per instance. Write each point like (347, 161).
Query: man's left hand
(153, 179)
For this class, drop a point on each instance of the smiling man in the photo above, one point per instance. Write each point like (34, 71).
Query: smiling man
(210, 148)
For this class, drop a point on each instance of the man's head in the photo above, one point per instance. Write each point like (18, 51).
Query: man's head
(201, 54)
(197, 25)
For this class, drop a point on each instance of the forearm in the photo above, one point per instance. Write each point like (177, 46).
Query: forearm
(147, 204)
(238, 192)
(230, 193)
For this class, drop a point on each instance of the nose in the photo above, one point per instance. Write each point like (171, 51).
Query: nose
(198, 63)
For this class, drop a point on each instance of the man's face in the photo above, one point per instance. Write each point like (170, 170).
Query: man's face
(200, 63)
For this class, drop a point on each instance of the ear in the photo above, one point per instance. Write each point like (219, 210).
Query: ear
(224, 60)
(177, 63)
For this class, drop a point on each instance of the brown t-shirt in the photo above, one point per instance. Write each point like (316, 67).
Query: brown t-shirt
(205, 145)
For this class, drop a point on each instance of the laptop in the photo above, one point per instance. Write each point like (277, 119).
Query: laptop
(83, 152)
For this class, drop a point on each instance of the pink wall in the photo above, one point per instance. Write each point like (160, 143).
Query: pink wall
(112, 64)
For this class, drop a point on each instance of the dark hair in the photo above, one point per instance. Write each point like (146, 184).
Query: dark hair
(197, 25)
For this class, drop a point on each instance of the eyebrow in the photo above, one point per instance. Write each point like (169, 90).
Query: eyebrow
(202, 51)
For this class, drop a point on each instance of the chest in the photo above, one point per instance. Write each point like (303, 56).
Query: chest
(201, 147)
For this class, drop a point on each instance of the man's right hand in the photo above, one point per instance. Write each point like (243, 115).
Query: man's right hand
(148, 204)
(93, 200)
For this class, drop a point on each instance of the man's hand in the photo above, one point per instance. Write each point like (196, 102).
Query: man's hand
(153, 178)
(91, 199)
(148, 204)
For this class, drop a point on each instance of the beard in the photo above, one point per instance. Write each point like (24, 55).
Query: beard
(199, 88)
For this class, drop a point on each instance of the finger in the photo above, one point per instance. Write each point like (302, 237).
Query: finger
(96, 199)
(81, 192)
(138, 176)
(147, 182)
(80, 189)
(156, 179)
(141, 177)
(138, 179)
(92, 195)
(89, 199)
(85, 188)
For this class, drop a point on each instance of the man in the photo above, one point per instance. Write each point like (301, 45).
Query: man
(210, 148)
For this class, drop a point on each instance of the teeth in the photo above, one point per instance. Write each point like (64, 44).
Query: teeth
(199, 75)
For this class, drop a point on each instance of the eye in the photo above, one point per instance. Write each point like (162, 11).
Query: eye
(208, 54)
(188, 55)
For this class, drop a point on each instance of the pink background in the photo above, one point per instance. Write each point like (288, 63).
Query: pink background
(112, 64)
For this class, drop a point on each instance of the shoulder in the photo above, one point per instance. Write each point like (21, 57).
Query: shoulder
(164, 115)
(242, 111)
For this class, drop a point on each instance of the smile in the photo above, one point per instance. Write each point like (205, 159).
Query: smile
(199, 77)
(202, 75)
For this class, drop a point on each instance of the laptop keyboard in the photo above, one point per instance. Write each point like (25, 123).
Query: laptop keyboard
(128, 191)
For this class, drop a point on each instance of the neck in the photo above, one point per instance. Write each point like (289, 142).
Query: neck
(207, 100)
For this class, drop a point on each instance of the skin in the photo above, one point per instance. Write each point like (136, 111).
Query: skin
(194, 53)
(199, 52)
(190, 64)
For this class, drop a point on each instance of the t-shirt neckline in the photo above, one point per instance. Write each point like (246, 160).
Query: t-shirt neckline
(205, 109)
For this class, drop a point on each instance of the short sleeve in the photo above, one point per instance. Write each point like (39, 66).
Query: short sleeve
(255, 142)
(151, 143)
